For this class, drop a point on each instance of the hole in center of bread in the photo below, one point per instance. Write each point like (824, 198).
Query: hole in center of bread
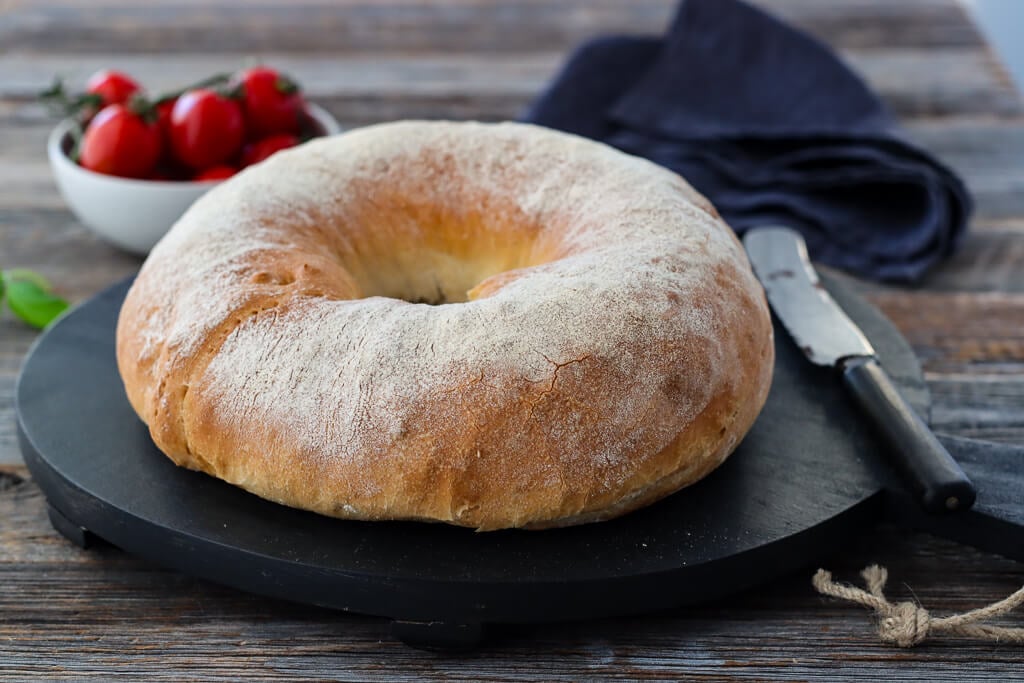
(439, 236)
(441, 269)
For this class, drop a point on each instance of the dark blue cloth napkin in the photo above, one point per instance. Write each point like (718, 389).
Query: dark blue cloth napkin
(767, 123)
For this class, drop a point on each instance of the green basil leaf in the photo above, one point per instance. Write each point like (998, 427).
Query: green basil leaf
(31, 302)
(28, 276)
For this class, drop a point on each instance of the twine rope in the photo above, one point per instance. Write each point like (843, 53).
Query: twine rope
(906, 624)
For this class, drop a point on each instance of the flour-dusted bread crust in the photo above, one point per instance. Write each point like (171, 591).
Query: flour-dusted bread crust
(604, 342)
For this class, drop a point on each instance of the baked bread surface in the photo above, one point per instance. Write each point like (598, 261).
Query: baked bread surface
(490, 325)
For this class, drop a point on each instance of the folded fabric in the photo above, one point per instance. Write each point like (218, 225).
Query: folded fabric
(774, 129)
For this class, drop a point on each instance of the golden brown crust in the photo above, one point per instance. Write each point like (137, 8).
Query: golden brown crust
(613, 346)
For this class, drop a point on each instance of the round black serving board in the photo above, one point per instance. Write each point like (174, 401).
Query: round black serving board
(807, 475)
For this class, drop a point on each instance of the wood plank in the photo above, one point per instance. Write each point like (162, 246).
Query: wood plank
(376, 86)
(988, 261)
(987, 335)
(17, 338)
(1013, 223)
(367, 74)
(67, 613)
(987, 153)
(361, 26)
(918, 83)
(54, 243)
(416, 26)
(980, 407)
(971, 142)
(866, 24)
(405, 85)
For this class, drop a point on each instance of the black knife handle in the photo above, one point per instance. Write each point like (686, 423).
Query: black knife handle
(930, 469)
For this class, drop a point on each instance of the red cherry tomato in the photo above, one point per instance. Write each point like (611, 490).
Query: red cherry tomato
(257, 151)
(163, 121)
(216, 173)
(120, 142)
(272, 103)
(114, 87)
(207, 128)
(163, 114)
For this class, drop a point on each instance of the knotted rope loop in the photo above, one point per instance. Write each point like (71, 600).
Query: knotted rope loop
(906, 624)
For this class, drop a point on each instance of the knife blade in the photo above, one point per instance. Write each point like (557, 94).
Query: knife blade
(827, 336)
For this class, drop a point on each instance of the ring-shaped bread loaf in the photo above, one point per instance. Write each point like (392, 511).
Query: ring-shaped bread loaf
(490, 325)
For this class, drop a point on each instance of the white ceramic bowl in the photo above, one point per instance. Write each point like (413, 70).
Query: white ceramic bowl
(128, 213)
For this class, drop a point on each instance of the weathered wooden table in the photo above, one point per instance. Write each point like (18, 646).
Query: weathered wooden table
(66, 613)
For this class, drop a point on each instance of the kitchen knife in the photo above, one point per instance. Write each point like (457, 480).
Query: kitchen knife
(828, 337)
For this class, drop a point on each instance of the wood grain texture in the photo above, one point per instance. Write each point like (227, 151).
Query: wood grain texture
(457, 25)
(66, 613)
(991, 260)
(70, 614)
(988, 335)
(366, 87)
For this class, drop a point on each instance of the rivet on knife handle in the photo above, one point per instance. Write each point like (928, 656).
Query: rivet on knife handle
(942, 485)
(828, 337)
